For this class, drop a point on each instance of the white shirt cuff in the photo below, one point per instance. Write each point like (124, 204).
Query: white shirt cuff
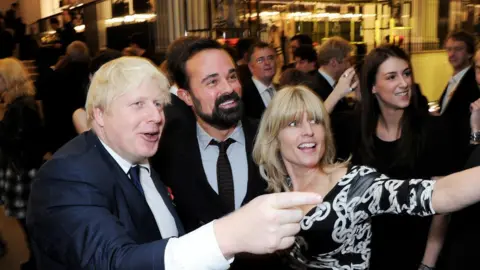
(197, 250)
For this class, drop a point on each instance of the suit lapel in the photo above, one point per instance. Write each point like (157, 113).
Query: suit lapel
(167, 200)
(461, 87)
(443, 96)
(253, 100)
(146, 229)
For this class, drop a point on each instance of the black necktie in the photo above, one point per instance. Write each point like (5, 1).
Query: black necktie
(134, 173)
(224, 174)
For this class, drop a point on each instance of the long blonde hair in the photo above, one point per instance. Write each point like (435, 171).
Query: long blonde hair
(17, 80)
(288, 104)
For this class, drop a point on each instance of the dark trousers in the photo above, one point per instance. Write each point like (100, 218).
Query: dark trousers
(30, 264)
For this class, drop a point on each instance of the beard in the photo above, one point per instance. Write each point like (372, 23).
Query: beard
(221, 118)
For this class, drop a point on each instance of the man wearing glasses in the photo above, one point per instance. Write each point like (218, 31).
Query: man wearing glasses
(259, 89)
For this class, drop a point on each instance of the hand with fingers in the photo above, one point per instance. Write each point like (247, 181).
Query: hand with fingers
(475, 122)
(266, 224)
(475, 116)
(347, 82)
(345, 85)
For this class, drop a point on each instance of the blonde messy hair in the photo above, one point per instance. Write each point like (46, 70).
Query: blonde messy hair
(17, 80)
(120, 76)
(288, 104)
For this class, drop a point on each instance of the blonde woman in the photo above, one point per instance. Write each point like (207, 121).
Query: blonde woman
(21, 138)
(295, 152)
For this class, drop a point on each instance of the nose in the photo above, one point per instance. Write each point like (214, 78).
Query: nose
(307, 129)
(403, 82)
(228, 86)
(156, 114)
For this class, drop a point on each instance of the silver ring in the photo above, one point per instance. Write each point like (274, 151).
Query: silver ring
(350, 89)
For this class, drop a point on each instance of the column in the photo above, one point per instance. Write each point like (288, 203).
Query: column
(91, 28)
(104, 11)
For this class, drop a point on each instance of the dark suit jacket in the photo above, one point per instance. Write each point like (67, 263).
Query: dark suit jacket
(254, 106)
(460, 250)
(457, 112)
(180, 165)
(85, 213)
(324, 89)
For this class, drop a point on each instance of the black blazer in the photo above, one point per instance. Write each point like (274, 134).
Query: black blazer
(85, 213)
(324, 89)
(457, 113)
(460, 250)
(253, 103)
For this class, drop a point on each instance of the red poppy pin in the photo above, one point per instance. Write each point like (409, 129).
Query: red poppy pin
(170, 193)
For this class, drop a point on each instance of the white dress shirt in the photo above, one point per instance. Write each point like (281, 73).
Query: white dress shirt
(200, 246)
(262, 90)
(237, 156)
(329, 79)
(174, 89)
(452, 86)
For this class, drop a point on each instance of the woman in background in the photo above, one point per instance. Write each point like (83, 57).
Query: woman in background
(22, 141)
(393, 133)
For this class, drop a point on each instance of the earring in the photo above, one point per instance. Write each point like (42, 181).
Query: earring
(288, 180)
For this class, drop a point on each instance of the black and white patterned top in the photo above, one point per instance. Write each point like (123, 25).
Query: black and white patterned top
(337, 233)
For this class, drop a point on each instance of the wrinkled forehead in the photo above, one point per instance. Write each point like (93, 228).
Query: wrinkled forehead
(258, 52)
(212, 61)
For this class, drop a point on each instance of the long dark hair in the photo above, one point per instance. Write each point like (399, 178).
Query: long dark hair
(412, 134)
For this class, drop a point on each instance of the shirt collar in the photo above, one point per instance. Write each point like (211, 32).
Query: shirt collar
(204, 139)
(260, 86)
(459, 75)
(329, 79)
(123, 163)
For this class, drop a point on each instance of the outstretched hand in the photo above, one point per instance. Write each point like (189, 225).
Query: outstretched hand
(266, 224)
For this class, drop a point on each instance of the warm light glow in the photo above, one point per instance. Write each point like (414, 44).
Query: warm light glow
(307, 16)
(80, 28)
(135, 18)
(79, 5)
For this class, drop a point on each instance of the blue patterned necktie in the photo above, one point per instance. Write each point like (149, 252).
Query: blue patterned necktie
(134, 173)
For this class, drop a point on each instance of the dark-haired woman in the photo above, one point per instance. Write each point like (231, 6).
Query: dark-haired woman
(393, 133)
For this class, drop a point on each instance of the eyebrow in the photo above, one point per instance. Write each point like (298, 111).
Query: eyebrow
(394, 72)
(232, 70)
(209, 77)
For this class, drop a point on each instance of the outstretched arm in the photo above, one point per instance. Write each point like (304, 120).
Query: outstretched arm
(457, 191)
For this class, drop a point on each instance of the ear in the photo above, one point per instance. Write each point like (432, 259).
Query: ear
(333, 62)
(374, 90)
(185, 96)
(98, 116)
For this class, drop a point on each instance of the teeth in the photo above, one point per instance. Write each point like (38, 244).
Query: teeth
(227, 102)
(307, 145)
(402, 93)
